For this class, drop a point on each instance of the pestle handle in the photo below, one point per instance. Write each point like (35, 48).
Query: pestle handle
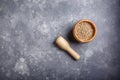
(63, 44)
(73, 53)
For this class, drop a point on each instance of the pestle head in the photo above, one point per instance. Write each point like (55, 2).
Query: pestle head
(62, 43)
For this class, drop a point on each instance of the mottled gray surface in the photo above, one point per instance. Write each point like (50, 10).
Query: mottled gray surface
(28, 29)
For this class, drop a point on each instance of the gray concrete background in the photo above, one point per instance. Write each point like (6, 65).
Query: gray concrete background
(28, 29)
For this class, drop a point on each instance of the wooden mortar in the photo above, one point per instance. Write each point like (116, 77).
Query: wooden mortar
(84, 31)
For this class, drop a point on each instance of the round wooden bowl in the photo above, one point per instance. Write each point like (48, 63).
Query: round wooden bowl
(90, 26)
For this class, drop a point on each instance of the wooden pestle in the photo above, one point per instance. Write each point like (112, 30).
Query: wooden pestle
(63, 44)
